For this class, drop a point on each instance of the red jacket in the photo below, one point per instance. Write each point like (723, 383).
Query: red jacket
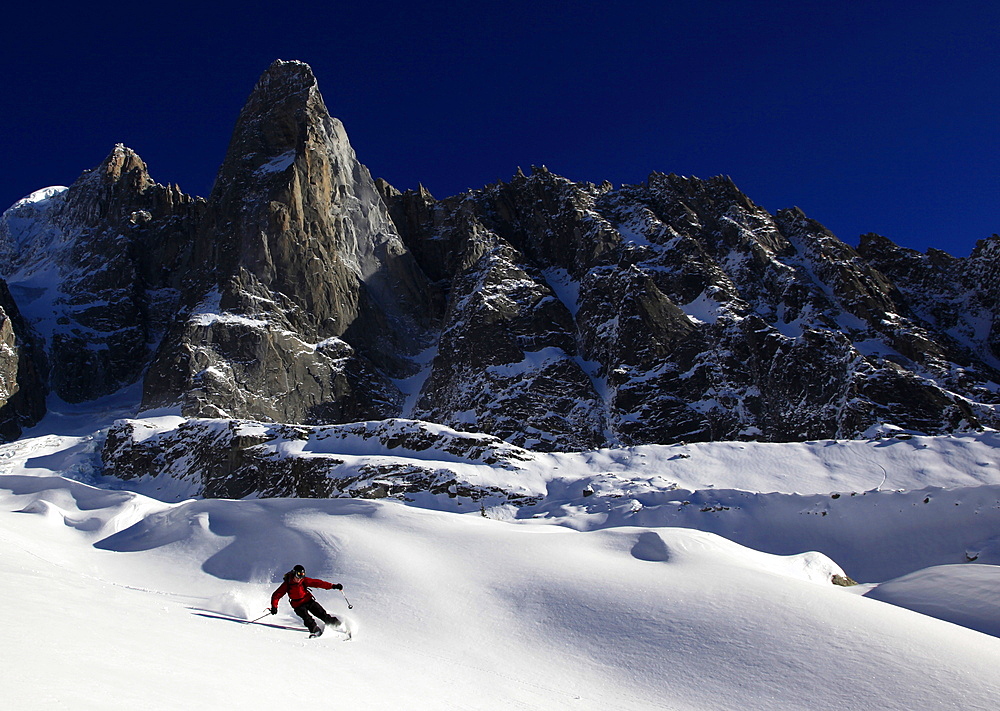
(298, 590)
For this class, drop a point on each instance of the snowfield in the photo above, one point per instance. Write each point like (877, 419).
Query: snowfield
(609, 593)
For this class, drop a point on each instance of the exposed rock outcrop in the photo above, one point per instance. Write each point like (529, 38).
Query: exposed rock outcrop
(237, 459)
(693, 313)
(22, 385)
(97, 269)
(313, 302)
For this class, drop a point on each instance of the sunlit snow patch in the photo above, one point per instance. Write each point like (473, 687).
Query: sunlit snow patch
(964, 594)
(277, 164)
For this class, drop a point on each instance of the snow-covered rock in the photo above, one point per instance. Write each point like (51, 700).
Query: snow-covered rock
(693, 313)
(401, 459)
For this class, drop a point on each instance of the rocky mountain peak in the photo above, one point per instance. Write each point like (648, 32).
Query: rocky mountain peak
(554, 314)
(282, 89)
(305, 275)
(285, 77)
(123, 161)
(111, 189)
(293, 208)
(987, 248)
(274, 125)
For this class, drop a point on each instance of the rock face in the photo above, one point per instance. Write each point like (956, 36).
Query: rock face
(310, 302)
(551, 314)
(679, 310)
(238, 459)
(22, 386)
(286, 295)
(96, 269)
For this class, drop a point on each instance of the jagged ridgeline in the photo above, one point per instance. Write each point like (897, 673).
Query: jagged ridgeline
(552, 314)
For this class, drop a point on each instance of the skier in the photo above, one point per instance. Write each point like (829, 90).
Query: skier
(297, 586)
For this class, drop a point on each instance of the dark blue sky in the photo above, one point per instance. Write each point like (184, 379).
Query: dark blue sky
(875, 116)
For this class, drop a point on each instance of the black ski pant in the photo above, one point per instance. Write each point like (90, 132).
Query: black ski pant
(306, 611)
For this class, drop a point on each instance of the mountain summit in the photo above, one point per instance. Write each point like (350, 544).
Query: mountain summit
(550, 313)
(310, 301)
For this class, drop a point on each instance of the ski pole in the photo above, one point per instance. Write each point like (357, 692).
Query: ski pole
(349, 605)
(259, 618)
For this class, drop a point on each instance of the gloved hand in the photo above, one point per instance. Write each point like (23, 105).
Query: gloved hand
(274, 611)
(337, 586)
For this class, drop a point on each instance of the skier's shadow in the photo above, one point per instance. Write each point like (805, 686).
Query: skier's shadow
(213, 615)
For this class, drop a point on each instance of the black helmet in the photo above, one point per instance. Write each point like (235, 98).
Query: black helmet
(299, 569)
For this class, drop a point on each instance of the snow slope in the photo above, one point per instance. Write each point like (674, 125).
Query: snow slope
(118, 600)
